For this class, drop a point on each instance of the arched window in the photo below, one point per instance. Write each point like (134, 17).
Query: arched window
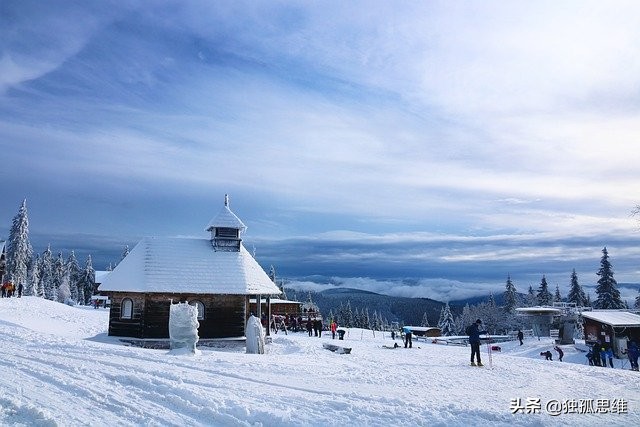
(126, 309)
(200, 306)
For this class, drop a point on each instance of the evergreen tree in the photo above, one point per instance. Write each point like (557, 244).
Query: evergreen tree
(447, 324)
(357, 319)
(19, 251)
(464, 320)
(607, 288)
(46, 274)
(491, 315)
(348, 315)
(87, 282)
(366, 319)
(557, 297)
(510, 296)
(74, 272)
(544, 296)
(425, 320)
(637, 303)
(125, 252)
(58, 278)
(272, 273)
(376, 323)
(587, 302)
(576, 293)
(33, 277)
(532, 299)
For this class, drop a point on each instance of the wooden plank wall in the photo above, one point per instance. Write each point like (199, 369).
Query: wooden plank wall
(224, 315)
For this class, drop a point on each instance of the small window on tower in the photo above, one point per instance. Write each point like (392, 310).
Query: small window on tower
(230, 233)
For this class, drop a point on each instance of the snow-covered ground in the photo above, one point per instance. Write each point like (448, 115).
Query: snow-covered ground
(59, 368)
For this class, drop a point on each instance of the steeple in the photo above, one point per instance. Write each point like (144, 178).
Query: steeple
(225, 229)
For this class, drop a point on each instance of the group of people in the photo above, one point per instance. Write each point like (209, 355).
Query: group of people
(599, 354)
(9, 289)
(549, 356)
(314, 326)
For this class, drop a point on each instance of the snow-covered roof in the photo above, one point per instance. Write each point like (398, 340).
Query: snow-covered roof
(182, 265)
(613, 318)
(422, 328)
(538, 310)
(100, 275)
(226, 219)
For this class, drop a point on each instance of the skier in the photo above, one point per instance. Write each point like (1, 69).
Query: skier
(474, 333)
(334, 327)
(407, 337)
(20, 287)
(520, 336)
(560, 352)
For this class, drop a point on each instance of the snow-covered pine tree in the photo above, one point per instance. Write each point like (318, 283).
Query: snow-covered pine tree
(637, 303)
(46, 274)
(510, 296)
(348, 315)
(447, 325)
(32, 276)
(125, 252)
(36, 280)
(607, 288)
(492, 316)
(532, 299)
(557, 297)
(87, 282)
(544, 296)
(425, 320)
(272, 273)
(64, 287)
(366, 319)
(376, 323)
(332, 317)
(19, 251)
(58, 277)
(588, 300)
(357, 319)
(463, 320)
(576, 293)
(73, 270)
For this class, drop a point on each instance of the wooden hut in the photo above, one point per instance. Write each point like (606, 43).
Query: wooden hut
(611, 327)
(217, 275)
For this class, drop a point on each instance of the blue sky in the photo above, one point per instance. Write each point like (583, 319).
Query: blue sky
(412, 148)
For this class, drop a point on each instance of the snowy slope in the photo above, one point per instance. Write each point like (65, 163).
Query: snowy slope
(60, 368)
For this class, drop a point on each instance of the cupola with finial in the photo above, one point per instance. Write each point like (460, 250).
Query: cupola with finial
(225, 229)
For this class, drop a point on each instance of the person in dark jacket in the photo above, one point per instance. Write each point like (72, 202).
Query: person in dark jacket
(590, 356)
(310, 326)
(474, 333)
(632, 354)
(317, 327)
(547, 355)
(520, 336)
(560, 352)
